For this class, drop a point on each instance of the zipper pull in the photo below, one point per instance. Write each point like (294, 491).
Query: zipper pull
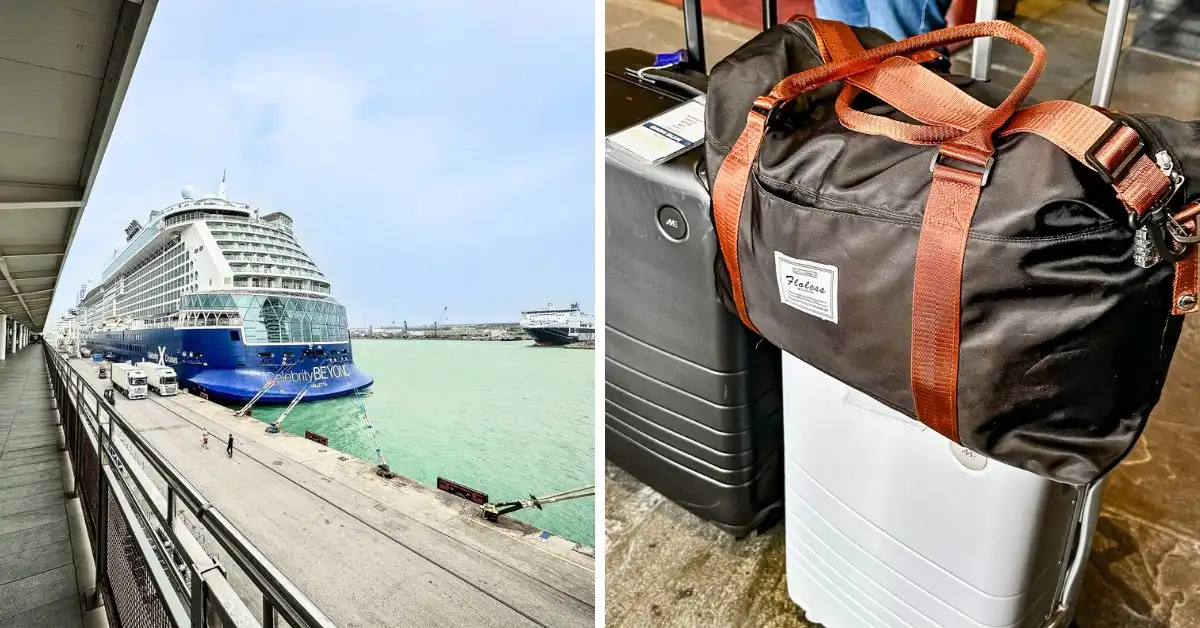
(1167, 165)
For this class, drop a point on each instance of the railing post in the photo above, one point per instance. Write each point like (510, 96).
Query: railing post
(268, 613)
(102, 512)
(170, 507)
(199, 598)
(76, 462)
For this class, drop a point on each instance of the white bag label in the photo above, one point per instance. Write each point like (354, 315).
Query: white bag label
(665, 135)
(808, 286)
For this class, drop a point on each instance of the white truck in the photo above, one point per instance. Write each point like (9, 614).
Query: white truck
(130, 380)
(161, 379)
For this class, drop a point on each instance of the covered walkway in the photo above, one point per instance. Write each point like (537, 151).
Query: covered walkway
(37, 568)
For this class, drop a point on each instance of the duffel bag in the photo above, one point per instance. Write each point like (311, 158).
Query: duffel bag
(1014, 279)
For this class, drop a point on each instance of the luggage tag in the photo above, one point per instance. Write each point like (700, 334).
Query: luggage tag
(665, 136)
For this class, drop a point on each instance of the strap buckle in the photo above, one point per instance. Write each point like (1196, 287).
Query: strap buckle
(1169, 236)
(1170, 247)
(769, 107)
(1158, 210)
(985, 172)
(1111, 177)
(1179, 232)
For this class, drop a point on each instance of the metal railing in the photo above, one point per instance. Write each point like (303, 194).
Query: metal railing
(150, 570)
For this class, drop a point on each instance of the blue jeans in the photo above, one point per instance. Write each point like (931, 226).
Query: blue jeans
(900, 19)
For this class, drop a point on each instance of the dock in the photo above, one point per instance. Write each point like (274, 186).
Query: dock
(367, 551)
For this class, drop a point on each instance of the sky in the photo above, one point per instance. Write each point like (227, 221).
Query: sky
(432, 154)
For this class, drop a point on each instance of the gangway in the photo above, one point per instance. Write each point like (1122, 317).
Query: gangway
(492, 512)
(284, 370)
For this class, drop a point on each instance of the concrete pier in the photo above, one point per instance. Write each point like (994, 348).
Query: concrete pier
(367, 551)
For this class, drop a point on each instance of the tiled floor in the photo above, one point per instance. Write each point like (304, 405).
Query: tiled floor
(37, 569)
(665, 567)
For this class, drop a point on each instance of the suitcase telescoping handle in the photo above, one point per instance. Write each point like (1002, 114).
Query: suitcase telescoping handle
(1068, 590)
(693, 30)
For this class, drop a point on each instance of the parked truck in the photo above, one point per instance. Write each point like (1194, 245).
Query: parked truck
(130, 380)
(161, 379)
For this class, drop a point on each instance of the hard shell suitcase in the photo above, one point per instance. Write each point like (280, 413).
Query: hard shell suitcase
(890, 524)
(692, 403)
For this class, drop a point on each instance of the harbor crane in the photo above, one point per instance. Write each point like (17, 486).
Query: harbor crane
(492, 512)
(441, 319)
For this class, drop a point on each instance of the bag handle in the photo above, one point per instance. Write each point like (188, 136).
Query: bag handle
(910, 88)
(894, 81)
(974, 146)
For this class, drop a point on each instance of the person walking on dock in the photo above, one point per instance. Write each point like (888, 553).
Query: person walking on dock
(229, 447)
(204, 439)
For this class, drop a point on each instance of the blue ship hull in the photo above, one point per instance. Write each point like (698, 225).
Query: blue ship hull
(217, 362)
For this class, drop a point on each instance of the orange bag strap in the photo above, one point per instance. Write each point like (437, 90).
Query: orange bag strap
(899, 81)
(976, 144)
(1186, 285)
(1100, 143)
(903, 84)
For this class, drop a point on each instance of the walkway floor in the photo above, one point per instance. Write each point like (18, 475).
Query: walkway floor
(37, 570)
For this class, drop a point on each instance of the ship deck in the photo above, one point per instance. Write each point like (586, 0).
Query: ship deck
(367, 551)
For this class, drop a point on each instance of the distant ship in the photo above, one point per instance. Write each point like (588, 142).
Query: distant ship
(558, 326)
(227, 299)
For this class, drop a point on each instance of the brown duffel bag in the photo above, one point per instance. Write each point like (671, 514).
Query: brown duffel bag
(1013, 278)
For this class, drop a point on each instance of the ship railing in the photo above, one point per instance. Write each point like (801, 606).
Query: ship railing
(244, 267)
(153, 535)
(200, 214)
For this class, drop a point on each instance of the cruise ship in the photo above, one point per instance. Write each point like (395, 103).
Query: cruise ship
(558, 326)
(228, 299)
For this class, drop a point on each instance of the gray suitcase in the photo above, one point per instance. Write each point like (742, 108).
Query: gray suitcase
(692, 399)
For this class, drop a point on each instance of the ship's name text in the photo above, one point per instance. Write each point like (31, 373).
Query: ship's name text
(317, 373)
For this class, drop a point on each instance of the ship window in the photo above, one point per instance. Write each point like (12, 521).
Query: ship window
(235, 335)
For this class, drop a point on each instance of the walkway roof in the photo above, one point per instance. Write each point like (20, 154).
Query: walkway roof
(64, 68)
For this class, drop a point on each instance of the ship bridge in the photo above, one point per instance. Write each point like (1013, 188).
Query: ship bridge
(64, 70)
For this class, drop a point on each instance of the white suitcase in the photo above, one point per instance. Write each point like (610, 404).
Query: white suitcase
(890, 524)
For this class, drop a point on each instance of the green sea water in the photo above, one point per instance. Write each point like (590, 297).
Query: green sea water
(506, 418)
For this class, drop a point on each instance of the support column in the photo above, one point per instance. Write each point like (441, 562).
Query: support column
(3, 335)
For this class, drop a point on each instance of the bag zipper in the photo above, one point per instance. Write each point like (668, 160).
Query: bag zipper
(1158, 149)
(807, 35)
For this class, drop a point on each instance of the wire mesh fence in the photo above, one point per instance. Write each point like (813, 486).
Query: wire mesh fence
(134, 599)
